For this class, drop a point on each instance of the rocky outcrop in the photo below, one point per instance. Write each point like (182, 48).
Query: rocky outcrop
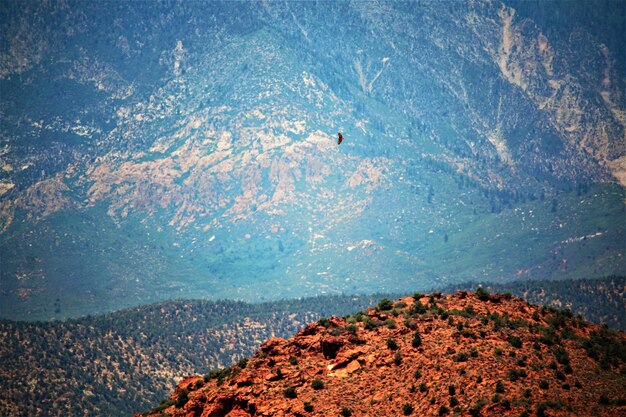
(467, 353)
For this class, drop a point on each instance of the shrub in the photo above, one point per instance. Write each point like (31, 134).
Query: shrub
(479, 379)
(515, 341)
(317, 384)
(165, 403)
(561, 356)
(499, 387)
(417, 339)
(293, 360)
(397, 358)
(370, 324)
(400, 304)
(443, 410)
(453, 401)
(543, 384)
(345, 412)
(407, 409)
(219, 374)
(351, 328)
(482, 294)
(385, 304)
(199, 384)
(451, 390)
(417, 308)
(515, 374)
(391, 344)
(390, 323)
(460, 357)
(423, 387)
(549, 337)
(417, 374)
(291, 392)
(182, 399)
(506, 404)
(308, 407)
(497, 352)
(541, 409)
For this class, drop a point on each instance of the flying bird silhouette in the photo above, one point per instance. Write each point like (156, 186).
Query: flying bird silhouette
(340, 139)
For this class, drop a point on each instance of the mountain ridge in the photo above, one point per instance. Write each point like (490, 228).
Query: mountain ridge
(140, 353)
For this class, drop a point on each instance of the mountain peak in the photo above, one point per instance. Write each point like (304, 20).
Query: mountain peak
(465, 353)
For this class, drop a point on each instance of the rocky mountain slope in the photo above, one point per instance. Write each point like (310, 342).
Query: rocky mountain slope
(463, 354)
(196, 142)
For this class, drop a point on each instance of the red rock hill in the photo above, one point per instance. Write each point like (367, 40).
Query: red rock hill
(426, 355)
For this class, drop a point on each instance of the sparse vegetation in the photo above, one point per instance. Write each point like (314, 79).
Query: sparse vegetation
(515, 341)
(417, 339)
(482, 294)
(385, 304)
(317, 384)
(392, 344)
(182, 399)
(290, 392)
(499, 387)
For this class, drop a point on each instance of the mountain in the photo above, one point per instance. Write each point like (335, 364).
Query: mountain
(466, 353)
(117, 363)
(188, 149)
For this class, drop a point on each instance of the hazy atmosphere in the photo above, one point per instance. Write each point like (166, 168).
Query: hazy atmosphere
(155, 150)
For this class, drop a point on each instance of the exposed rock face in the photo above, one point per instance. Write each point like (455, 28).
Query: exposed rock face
(471, 354)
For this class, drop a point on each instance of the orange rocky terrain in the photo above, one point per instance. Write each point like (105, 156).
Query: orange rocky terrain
(426, 355)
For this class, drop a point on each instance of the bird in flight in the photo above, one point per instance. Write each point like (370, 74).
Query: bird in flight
(340, 139)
